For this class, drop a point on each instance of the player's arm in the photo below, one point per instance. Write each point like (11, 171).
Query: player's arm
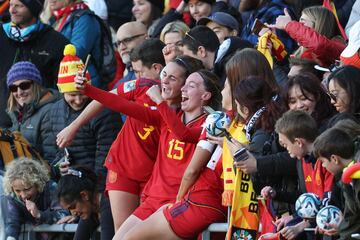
(183, 133)
(65, 137)
(120, 104)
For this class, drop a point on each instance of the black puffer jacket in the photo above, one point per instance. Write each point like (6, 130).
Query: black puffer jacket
(92, 141)
(44, 49)
(32, 124)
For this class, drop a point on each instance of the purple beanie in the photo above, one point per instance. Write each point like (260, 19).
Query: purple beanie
(23, 71)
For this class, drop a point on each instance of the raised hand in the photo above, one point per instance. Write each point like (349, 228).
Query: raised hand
(31, 207)
(281, 21)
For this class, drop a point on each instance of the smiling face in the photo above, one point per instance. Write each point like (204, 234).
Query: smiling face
(20, 14)
(81, 207)
(193, 93)
(142, 11)
(24, 93)
(341, 99)
(199, 9)
(298, 101)
(172, 79)
(24, 191)
(76, 100)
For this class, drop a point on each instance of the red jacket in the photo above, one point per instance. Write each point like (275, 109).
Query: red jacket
(319, 48)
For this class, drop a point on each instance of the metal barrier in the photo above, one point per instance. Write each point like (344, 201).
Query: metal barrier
(215, 227)
(71, 228)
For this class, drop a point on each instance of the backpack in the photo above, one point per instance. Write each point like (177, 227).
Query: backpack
(107, 65)
(13, 145)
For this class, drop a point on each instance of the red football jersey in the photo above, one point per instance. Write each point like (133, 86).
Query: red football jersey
(173, 157)
(176, 146)
(317, 179)
(135, 148)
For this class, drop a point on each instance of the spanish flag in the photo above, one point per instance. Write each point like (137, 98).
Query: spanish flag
(239, 193)
(329, 4)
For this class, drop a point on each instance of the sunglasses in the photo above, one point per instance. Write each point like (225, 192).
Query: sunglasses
(23, 86)
(192, 38)
(332, 96)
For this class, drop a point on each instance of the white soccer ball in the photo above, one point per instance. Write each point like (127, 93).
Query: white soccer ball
(330, 215)
(216, 123)
(307, 205)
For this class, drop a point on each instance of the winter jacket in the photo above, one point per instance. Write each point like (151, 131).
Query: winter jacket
(351, 222)
(268, 14)
(83, 31)
(32, 124)
(44, 49)
(16, 213)
(91, 143)
(319, 48)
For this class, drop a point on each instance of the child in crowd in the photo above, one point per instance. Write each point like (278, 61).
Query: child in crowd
(30, 197)
(297, 131)
(336, 149)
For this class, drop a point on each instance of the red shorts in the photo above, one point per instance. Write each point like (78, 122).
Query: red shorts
(149, 205)
(187, 219)
(118, 182)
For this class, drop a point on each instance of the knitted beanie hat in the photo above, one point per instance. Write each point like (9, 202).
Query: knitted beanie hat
(34, 6)
(68, 69)
(23, 71)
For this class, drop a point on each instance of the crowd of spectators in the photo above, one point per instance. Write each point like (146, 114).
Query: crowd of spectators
(113, 96)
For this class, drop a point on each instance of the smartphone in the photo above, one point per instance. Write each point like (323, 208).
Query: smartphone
(240, 155)
(86, 65)
(257, 26)
(66, 158)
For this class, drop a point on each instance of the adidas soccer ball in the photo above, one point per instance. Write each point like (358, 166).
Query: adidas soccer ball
(216, 123)
(307, 205)
(330, 215)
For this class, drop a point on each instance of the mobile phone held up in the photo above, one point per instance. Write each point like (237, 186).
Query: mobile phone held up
(86, 65)
(257, 26)
(240, 155)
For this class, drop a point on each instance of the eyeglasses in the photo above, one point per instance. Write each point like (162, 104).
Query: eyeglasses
(126, 41)
(23, 86)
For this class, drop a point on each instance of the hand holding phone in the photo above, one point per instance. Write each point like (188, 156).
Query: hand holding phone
(240, 155)
(257, 27)
(64, 163)
(86, 65)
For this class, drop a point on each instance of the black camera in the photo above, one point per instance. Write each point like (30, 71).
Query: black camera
(240, 155)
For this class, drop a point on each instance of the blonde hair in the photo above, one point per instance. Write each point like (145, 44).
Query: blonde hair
(12, 104)
(29, 171)
(324, 23)
(176, 26)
